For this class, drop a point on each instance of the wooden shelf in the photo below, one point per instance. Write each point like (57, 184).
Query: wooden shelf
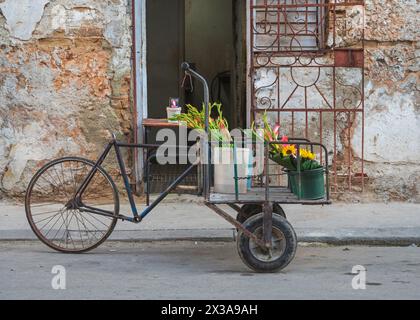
(159, 123)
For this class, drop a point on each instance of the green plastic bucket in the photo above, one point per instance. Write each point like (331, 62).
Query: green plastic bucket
(313, 184)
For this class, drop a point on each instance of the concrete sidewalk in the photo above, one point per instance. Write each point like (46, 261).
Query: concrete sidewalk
(373, 223)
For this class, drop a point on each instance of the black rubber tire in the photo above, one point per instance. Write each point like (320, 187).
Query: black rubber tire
(39, 234)
(287, 254)
(250, 210)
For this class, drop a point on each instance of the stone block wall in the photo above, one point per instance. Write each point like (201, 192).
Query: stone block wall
(392, 127)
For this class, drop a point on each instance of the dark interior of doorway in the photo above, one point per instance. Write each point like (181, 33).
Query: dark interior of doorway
(210, 34)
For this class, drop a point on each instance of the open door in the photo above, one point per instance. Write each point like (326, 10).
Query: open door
(211, 35)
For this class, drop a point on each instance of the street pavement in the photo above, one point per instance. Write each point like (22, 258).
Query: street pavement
(185, 218)
(185, 251)
(204, 270)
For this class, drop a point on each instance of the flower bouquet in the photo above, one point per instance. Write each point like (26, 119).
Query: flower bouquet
(306, 175)
(230, 163)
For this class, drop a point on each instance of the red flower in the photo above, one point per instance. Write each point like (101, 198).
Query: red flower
(285, 139)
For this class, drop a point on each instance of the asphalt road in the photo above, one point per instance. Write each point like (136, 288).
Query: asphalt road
(188, 270)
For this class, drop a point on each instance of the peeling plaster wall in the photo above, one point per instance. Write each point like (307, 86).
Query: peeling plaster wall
(392, 127)
(22, 25)
(65, 77)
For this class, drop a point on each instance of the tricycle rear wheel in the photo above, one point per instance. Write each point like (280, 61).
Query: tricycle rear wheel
(284, 245)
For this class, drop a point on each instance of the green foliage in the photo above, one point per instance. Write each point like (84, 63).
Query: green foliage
(307, 165)
(218, 126)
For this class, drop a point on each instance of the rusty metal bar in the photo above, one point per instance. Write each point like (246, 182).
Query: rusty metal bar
(298, 45)
(268, 224)
(304, 110)
(235, 223)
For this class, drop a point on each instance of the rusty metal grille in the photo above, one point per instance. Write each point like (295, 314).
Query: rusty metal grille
(307, 74)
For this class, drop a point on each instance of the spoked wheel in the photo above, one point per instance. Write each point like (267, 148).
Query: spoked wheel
(250, 210)
(282, 252)
(54, 214)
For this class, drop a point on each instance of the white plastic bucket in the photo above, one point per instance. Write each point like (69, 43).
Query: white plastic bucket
(224, 169)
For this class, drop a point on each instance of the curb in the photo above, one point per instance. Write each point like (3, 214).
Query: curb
(347, 237)
(375, 242)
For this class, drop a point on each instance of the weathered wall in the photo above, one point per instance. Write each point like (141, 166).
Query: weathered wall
(65, 73)
(65, 78)
(392, 98)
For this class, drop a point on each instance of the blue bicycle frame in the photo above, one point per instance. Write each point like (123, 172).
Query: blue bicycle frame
(137, 217)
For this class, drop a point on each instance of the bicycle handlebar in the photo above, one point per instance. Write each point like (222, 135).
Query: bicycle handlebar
(185, 66)
(187, 69)
(206, 176)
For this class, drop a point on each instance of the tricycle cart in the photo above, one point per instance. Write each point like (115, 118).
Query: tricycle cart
(72, 204)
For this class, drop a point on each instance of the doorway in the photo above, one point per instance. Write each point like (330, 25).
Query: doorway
(210, 34)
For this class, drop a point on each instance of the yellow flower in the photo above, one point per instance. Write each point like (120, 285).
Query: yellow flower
(289, 150)
(306, 154)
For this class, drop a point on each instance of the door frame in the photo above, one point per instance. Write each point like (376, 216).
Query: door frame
(140, 79)
(139, 44)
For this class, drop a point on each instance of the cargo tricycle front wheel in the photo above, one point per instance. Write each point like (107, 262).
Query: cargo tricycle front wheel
(262, 259)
